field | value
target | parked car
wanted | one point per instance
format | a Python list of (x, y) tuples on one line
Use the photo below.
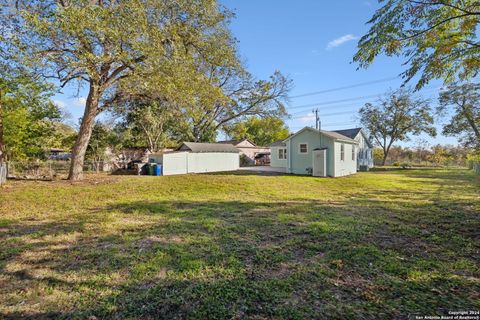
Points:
[(61, 156)]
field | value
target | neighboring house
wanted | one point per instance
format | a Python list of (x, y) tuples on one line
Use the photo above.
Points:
[(192, 157), (315, 152), (365, 147), (278, 154), (250, 151)]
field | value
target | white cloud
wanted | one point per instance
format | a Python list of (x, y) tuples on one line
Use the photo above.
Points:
[(367, 3), (308, 118), (59, 103), (339, 41)]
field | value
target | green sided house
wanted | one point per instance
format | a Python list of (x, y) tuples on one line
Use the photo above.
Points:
[(365, 147), (316, 152)]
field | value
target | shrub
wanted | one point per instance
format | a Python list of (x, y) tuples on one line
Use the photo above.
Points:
[(246, 161), (405, 165)]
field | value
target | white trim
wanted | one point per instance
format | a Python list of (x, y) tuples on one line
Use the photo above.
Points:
[(289, 159), (300, 148)]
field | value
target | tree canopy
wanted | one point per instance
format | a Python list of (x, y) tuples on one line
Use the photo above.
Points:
[(147, 122), (395, 117), (32, 123), (438, 39), (103, 43), (261, 131), (464, 100)]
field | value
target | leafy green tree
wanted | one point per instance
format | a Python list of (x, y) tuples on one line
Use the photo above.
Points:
[(27, 116), (395, 117), (246, 97), (438, 39), (464, 99), (102, 43), (261, 131), (234, 94), (148, 122), (30, 127), (439, 155)]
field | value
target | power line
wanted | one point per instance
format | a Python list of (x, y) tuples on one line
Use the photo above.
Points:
[(334, 101), (324, 115), (349, 99), (341, 124), (336, 107), (344, 87), (328, 125)]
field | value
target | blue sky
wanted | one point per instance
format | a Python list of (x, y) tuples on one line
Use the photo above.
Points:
[(312, 42)]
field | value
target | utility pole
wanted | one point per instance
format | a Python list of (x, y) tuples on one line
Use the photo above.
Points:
[(317, 119)]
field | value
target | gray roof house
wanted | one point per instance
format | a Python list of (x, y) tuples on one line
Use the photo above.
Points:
[(365, 146), (345, 151)]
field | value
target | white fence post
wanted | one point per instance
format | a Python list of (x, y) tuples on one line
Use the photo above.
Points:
[(3, 173)]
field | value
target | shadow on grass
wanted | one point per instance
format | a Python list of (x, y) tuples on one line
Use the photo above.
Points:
[(243, 172), (450, 176), (229, 259)]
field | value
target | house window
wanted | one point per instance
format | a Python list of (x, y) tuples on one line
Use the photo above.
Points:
[(342, 152), (353, 153), (282, 154), (303, 148)]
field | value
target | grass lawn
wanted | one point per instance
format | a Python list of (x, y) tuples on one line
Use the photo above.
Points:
[(377, 245)]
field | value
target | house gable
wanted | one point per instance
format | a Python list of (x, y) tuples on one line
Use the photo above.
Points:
[(245, 143), (301, 162), (366, 139)]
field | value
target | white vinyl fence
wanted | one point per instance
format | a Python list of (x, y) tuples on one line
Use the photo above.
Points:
[(3, 173), (192, 162)]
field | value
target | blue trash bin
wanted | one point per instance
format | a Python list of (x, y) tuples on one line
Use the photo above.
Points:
[(157, 171)]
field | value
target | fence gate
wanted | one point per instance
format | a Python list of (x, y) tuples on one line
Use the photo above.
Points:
[(3, 173)]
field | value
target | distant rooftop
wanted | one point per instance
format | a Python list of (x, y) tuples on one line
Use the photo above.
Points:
[(208, 147), (278, 143), (351, 133), (236, 142)]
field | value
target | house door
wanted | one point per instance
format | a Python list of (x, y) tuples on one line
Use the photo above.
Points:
[(319, 163)]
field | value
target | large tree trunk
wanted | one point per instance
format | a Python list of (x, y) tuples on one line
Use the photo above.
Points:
[(384, 159), (81, 144), (2, 143), (474, 126), (386, 150)]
